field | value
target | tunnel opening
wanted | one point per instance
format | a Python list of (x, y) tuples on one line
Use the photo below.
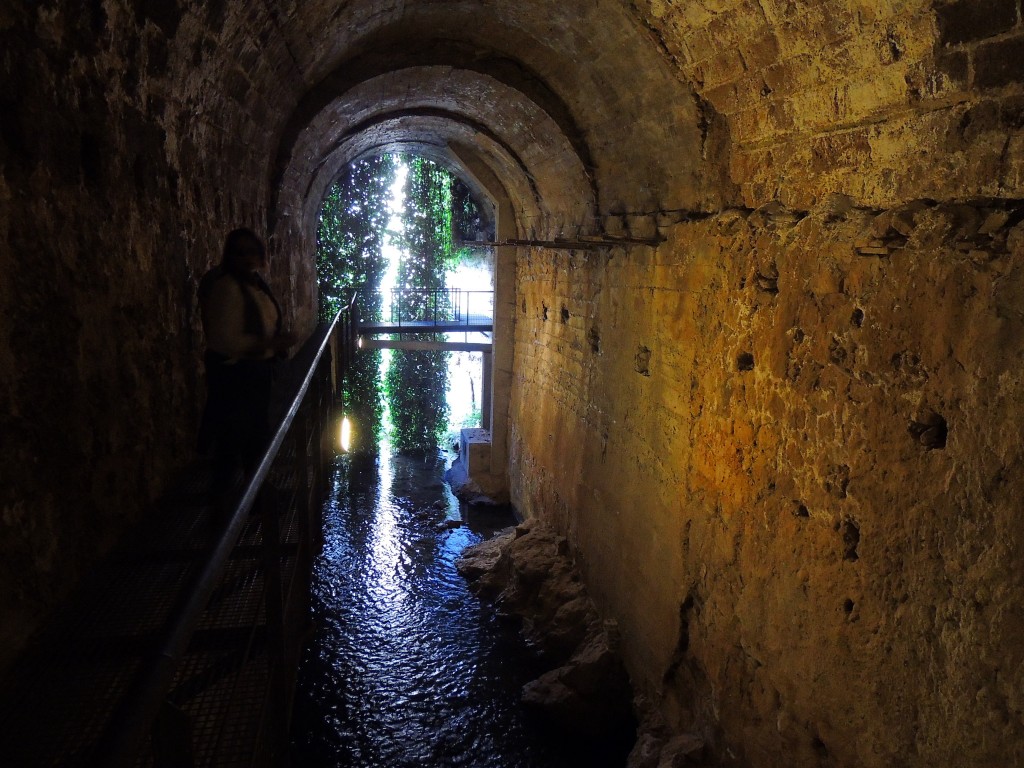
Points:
[(396, 234)]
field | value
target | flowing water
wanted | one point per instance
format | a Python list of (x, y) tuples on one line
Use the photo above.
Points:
[(406, 666)]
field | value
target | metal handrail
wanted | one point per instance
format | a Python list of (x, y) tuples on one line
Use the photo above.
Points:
[(436, 305), (436, 301), (138, 710)]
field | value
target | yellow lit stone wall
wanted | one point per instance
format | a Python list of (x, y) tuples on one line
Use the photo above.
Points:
[(883, 100), (784, 448), (785, 445)]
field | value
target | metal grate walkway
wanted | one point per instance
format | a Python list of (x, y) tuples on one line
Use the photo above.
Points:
[(62, 693), (82, 693), (465, 324)]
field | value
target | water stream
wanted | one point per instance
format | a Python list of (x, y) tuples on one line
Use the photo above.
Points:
[(406, 666)]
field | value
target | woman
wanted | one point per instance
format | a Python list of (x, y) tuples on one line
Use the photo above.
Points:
[(244, 338)]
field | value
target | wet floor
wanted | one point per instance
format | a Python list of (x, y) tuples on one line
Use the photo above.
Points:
[(406, 666)]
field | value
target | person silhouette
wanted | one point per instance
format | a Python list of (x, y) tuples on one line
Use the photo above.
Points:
[(245, 340)]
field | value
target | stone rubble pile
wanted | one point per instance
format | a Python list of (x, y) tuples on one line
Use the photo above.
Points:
[(528, 574)]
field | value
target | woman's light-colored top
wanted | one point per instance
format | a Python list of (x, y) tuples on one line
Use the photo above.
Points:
[(224, 316)]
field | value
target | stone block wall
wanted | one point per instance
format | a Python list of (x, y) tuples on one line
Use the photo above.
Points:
[(135, 134), (884, 101), (784, 446), (130, 143)]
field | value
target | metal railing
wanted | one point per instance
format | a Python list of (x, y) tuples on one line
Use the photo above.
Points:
[(275, 545)]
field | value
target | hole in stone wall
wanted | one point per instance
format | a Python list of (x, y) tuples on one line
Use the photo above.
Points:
[(767, 279), (745, 362), (565, 315), (850, 533), (798, 335), (930, 430), (837, 481), (892, 48), (523, 305), (97, 17), (642, 362), (91, 158), (906, 361), (836, 352), (684, 625), (857, 318), (819, 747), (683, 644), (801, 511), (140, 174), (594, 337), (544, 312), (215, 15), (848, 606)]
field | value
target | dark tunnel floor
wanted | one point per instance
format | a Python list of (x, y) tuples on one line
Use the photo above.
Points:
[(406, 667)]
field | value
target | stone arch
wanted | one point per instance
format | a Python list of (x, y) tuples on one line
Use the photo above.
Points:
[(425, 55), (532, 62), (549, 182)]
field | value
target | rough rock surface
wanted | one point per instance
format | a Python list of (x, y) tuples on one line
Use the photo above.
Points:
[(526, 572), (796, 491), (465, 488), (657, 746)]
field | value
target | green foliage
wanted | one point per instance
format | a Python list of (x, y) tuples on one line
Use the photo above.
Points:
[(416, 385), (351, 231), (474, 257), (473, 420), (362, 396), (428, 224), (417, 382), (467, 219), (353, 221)]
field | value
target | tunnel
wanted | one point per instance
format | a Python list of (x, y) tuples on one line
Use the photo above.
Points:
[(759, 326)]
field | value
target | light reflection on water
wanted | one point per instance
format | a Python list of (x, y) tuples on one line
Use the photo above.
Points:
[(406, 667)]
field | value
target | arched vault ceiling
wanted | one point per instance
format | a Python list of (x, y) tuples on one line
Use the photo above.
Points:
[(437, 137), (586, 70), (664, 104), (516, 139)]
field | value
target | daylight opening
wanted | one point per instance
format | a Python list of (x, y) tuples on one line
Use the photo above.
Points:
[(396, 233)]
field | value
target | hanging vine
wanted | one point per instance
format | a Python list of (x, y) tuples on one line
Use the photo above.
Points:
[(417, 382), (351, 231)]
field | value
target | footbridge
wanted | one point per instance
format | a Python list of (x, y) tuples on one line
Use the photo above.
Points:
[(447, 320), (413, 319)]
